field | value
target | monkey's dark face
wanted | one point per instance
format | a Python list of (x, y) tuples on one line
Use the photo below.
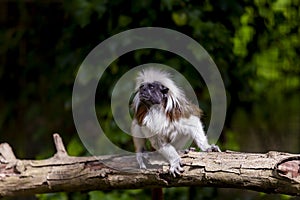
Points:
[(153, 93)]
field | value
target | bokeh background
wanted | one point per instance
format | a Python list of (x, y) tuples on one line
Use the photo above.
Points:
[(255, 44)]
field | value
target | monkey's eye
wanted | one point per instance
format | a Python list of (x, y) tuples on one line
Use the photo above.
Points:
[(165, 90), (150, 86)]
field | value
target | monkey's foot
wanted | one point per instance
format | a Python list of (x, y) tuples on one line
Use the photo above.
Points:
[(213, 148), (175, 168)]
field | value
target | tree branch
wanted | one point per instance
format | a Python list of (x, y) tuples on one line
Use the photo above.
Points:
[(273, 172)]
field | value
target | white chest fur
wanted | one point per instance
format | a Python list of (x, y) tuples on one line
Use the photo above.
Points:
[(157, 124)]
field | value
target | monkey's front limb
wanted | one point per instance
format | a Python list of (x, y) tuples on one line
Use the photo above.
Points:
[(171, 155), (140, 145), (140, 159), (195, 127)]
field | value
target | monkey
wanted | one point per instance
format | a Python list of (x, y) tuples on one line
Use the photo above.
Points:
[(164, 116)]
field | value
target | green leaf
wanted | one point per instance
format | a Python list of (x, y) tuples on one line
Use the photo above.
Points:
[(53, 196), (75, 147), (124, 20), (180, 18)]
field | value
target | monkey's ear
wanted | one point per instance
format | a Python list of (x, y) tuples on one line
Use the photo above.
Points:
[(164, 89)]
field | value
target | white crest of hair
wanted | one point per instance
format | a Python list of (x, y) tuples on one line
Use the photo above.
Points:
[(176, 96)]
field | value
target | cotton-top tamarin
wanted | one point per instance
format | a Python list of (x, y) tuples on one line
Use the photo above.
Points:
[(164, 115)]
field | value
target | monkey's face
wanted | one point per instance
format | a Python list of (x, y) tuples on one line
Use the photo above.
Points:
[(153, 93)]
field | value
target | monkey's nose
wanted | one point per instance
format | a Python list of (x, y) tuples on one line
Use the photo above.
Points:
[(142, 87)]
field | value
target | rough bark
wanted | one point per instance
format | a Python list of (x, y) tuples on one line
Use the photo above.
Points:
[(273, 172)]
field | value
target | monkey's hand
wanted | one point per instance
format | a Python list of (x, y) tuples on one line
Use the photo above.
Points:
[(171, 155), (139, 157), (213, 148), (175, 167)]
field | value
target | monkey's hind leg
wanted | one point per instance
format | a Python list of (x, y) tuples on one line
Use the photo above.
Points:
[(213, 148)]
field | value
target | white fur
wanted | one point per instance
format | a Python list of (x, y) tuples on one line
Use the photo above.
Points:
[(167, 135), (177, 132)]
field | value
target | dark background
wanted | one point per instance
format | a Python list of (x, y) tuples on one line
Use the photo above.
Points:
[(255, 44)]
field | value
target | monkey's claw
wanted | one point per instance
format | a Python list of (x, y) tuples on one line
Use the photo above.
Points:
[(213, 148), (175, 168), (191, 149)]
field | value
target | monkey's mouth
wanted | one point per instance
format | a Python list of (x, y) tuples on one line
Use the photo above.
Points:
[(144, 96), (149, 100)]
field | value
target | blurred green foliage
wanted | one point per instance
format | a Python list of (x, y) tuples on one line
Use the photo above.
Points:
[(255, 44)]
